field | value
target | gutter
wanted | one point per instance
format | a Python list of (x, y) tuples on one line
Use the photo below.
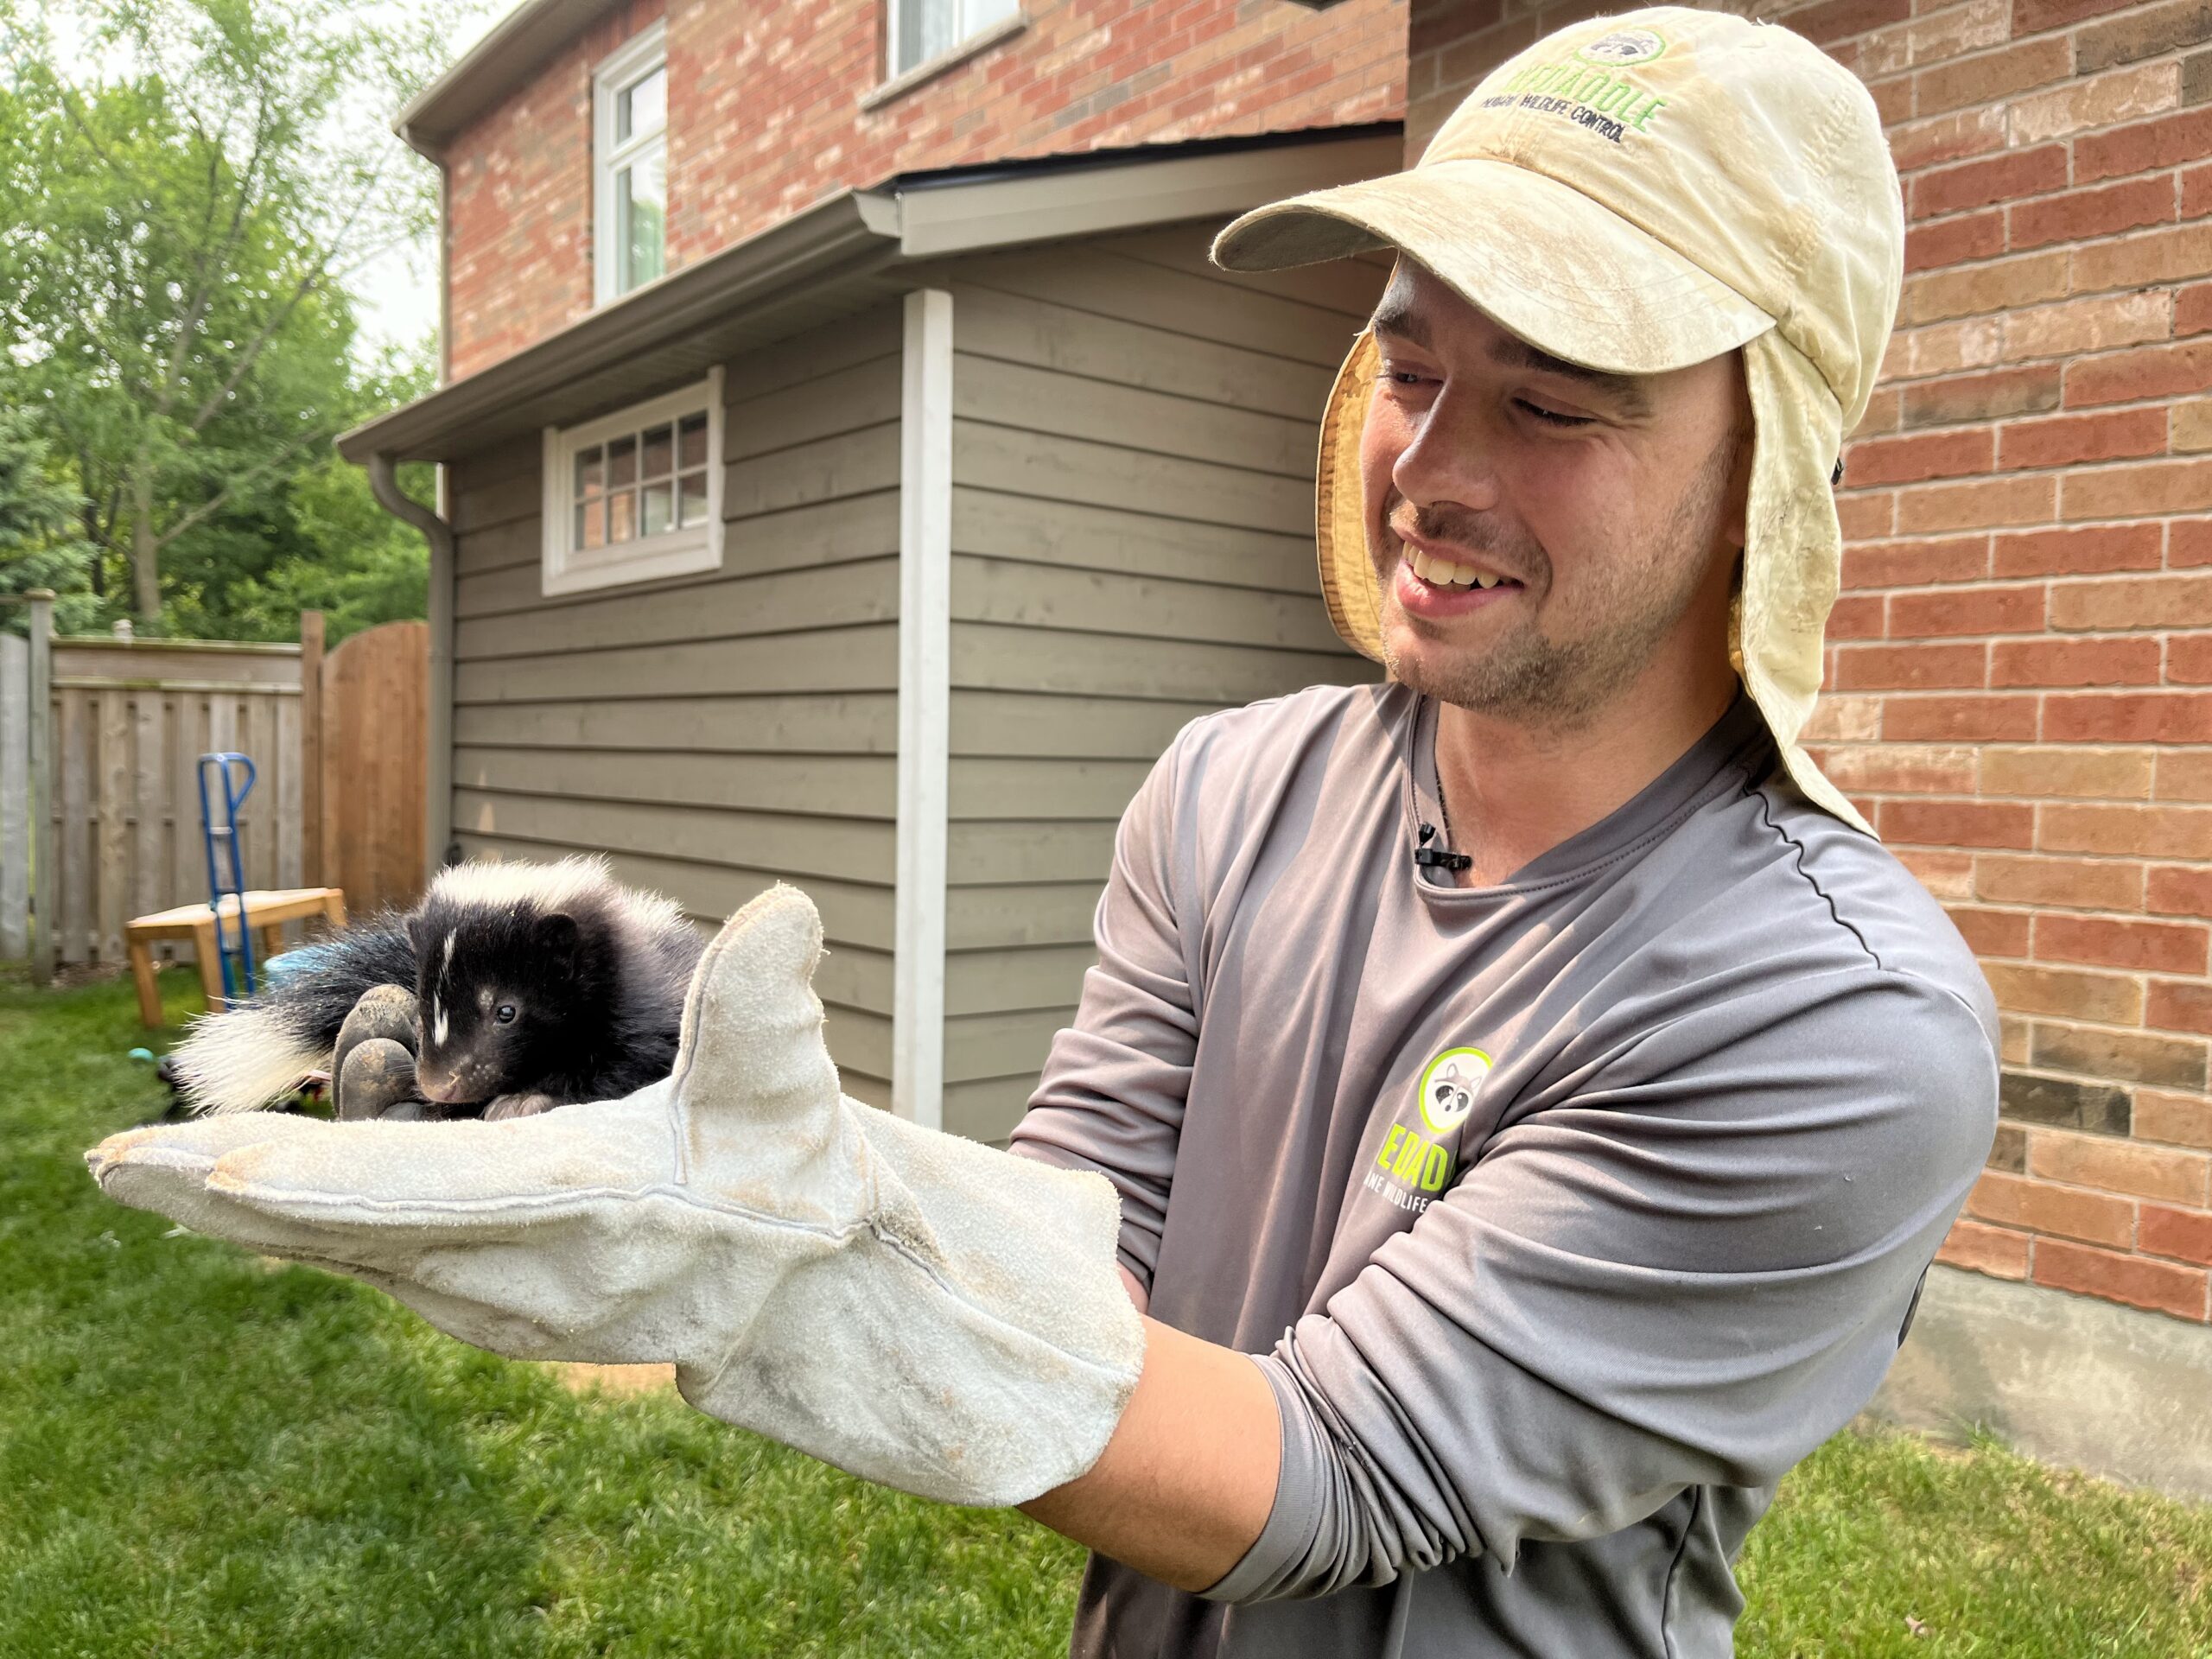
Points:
[(437, 792), (860, 244), (816, 247)]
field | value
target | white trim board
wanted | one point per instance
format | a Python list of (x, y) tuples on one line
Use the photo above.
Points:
[(632, 62), (688, 549), (925, 707)]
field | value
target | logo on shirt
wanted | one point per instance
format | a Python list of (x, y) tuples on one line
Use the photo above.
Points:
[(1448, 1088), (1412, 1165)]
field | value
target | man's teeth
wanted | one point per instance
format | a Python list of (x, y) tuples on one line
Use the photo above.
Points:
[(1443, 573)]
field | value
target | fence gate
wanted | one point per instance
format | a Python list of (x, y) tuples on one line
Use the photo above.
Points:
[(100, 795), (375, 749), (130, 720)]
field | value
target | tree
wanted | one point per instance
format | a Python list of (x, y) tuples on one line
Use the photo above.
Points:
[(171, 290), (37, 547)]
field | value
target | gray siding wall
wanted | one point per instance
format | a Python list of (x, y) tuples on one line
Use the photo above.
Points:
[(1132, 536), (714, 732)]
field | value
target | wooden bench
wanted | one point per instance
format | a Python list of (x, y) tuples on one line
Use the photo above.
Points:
[(265, 912)]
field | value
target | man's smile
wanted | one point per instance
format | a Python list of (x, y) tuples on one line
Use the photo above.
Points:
[(1436, 584)]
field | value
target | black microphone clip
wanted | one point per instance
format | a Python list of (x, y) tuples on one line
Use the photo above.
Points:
[(1428, 856)]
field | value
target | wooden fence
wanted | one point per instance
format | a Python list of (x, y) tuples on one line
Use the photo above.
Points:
[(100, 801), (375, 718), (15, 796)]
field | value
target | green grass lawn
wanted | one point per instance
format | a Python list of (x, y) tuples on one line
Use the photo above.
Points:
[(204, 1455)]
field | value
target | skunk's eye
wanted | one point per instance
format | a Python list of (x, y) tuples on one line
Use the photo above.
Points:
[(504, 1013)]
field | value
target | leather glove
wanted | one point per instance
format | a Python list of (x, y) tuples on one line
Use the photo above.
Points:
[(916, 1308)]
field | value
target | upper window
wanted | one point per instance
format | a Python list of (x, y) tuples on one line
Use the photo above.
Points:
[(636, 495), (922, 29), (630, 181)]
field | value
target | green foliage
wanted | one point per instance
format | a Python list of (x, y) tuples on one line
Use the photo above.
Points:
[(1885, 1546), (38, 545), (208, 1456), (172, 306)]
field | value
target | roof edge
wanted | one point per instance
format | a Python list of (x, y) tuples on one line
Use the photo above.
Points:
[(511, 52), (858, 236), (1099, 192), (853, 225)]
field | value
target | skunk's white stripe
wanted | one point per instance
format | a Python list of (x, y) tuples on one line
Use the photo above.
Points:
[(549, 887), (242, 1058)]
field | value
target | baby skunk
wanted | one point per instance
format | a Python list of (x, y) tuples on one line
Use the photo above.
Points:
[(536, 984)]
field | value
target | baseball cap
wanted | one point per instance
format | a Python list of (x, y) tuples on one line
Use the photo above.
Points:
[(1637, 193)]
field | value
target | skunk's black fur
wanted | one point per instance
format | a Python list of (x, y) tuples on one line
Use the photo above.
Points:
[(531, 980)]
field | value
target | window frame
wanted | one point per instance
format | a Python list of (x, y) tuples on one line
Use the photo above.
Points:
[(689, 550), (973, 40), (629, 63)]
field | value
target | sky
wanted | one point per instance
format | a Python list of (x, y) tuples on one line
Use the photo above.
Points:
[(396, 295)]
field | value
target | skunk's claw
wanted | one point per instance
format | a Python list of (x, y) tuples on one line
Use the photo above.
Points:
[(372, 1069), (528, 1105)]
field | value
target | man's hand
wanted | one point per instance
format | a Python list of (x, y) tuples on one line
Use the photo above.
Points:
[(916, 1308)]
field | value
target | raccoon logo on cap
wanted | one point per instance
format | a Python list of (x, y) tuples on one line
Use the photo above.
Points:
[(1623, 46)]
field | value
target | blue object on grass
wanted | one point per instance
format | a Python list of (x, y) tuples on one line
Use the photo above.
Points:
[(236, 955), (146, 1054), (279, 968)]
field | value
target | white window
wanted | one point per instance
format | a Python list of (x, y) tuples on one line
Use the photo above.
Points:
[(630, 180), (922, 29), (636, 495)]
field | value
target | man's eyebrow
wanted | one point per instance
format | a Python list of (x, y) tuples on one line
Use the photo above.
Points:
[(1396, 315), (1626, 389)]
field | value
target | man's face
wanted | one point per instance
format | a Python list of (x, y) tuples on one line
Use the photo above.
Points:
[(1608, 508)]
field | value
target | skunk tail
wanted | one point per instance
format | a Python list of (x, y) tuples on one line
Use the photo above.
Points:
[(256, 1051)]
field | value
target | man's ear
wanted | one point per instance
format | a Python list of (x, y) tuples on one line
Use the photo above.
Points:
[(1735, 524), (1735, 527)]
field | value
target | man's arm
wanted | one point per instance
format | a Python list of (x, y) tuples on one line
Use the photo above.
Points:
[(1185, 1484), (1689, 1277), (1111, 1096)]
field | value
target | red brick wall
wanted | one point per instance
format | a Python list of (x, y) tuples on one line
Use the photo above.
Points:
[(764, 120), (2019, 682)]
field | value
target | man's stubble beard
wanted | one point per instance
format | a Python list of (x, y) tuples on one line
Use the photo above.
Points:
[(1556, 682)]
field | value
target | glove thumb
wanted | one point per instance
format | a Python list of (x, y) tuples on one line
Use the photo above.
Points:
[(757, 1089)]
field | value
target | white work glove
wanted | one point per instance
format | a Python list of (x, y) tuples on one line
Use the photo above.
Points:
[(915, 1308)]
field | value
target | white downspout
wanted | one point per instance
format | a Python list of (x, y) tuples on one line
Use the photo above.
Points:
[(925, 708), (437, 804)]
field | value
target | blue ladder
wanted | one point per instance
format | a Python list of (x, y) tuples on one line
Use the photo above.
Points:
[(237, 957)]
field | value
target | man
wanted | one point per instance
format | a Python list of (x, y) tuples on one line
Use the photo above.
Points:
[(1532, 1099), (1532, 1053)]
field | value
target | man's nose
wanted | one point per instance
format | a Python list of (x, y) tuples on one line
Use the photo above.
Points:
[(1452, 455)]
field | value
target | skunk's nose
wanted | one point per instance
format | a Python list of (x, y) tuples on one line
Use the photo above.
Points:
[(443, 1089)]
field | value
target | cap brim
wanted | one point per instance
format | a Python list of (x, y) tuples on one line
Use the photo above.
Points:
[(1546, 262)]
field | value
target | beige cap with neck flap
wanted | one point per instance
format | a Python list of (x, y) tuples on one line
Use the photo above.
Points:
[(1637, 193)]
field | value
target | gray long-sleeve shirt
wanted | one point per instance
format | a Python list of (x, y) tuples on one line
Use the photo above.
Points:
[(1566, 1214)]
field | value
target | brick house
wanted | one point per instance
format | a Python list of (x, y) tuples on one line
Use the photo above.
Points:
[(2021, 672), (2019, 681), (768, 112), (853, 473)]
